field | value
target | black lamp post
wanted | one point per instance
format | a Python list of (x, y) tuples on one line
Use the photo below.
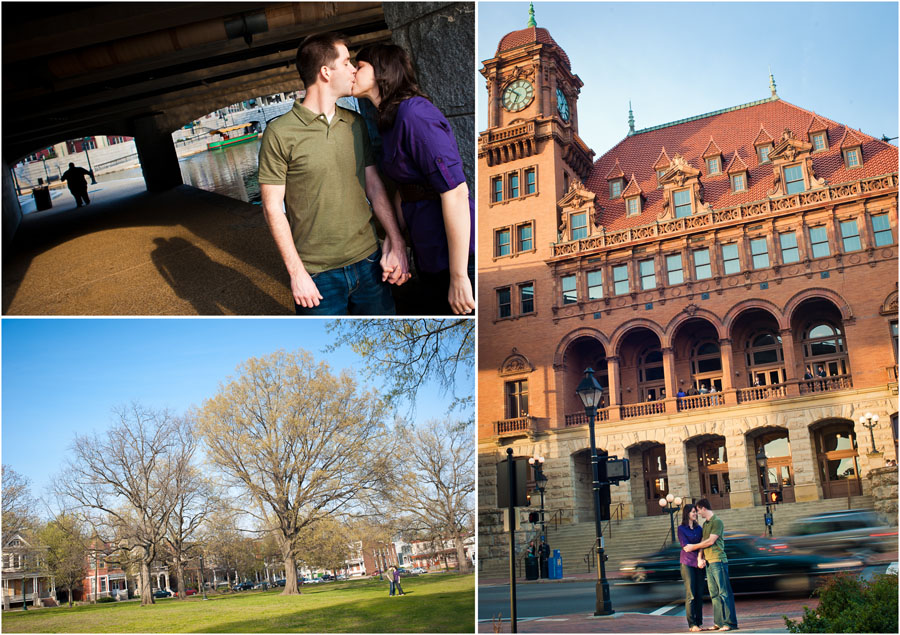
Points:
[(763, 463), (869, 421), (671, 505), (537, 463), (590, 392)]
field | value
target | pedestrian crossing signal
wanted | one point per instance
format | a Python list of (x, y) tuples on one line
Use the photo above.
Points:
[(775, 496)]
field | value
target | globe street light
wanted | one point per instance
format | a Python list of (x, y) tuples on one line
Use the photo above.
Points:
[(671, 505), (762, 462), (869, 421), (590, 392)]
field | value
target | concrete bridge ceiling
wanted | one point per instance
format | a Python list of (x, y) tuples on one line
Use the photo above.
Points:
[(77, 69)]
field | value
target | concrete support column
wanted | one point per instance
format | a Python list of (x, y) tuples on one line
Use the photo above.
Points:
[(803, 463), (156, 152), (676, 467), (790, 361), (612, 369), (726, 354), (669, 372), (740, 459), (12, 211)]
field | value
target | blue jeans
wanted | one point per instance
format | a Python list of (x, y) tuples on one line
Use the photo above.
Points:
[(721, 594), (693, 594), (356, 289), (392, 586)]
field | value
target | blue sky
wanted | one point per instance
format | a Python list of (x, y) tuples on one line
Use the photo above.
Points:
[(677, 60), (62, 376)]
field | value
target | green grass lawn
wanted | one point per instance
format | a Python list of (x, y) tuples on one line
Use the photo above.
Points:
[(435, 603)]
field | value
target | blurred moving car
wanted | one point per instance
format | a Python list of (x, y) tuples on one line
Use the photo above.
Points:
[(754, 564), (855, 531)]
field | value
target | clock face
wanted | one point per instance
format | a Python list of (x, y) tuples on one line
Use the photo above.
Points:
[(562, 105), (518, 95)]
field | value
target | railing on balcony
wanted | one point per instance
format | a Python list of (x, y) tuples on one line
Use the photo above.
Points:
[(824, 384), (643, 409), (581, 419), (696, 402), (761, 393), (512, 426)]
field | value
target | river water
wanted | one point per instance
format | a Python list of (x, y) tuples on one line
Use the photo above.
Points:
[(232, 171)]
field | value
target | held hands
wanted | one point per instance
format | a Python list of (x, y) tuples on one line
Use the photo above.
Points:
[(304, 290), (460, 295), (394, 266), (701, 563), (689, 548)]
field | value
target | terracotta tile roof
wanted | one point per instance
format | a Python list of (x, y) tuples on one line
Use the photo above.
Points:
[(736, 165), (850, 139), (663, 161), (711, 150), (530, 35), (615, 172), (735, 130), (815, 125), (763, 137), (633, 188)]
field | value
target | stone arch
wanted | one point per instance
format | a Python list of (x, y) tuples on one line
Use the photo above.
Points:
[(620, 333), (753, 303), (703, 314), (515, 364), (820, 293), (566, 341), (889, 306)]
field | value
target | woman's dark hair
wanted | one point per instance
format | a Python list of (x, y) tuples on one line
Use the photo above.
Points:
[(394, 76), (686, 515)]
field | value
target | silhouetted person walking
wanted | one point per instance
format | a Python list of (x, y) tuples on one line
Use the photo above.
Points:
[(77, 185)]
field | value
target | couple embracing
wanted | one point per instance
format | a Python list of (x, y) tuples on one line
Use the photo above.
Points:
[(703, 550), (317, 178)]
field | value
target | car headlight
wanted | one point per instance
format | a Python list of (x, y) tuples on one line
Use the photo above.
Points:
[(840, 564)]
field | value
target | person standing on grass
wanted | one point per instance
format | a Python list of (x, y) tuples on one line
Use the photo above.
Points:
[(395, 576), (692, 565), (713, 545)]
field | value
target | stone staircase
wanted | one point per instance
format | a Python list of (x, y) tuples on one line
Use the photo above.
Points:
[(635, 537)]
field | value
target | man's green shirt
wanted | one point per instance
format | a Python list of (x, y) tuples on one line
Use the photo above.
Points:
[(323, 169), (716, 551)]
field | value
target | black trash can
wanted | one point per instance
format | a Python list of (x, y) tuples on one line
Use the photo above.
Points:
[(531, 568), (42, 197), (545, 569)]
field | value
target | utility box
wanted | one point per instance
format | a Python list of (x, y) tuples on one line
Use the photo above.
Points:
[(555, 566), (41, 195)]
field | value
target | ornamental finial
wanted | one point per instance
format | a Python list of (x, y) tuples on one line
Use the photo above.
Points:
[(531, 21), (772, 83), (630, 119)]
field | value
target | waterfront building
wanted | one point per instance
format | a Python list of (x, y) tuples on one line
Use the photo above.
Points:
[(729, 251)]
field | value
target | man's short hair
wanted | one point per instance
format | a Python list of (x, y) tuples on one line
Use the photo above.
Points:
[(703, 502), (315, 52)]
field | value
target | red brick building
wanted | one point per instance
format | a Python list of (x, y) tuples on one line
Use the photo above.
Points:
[(732, 250)]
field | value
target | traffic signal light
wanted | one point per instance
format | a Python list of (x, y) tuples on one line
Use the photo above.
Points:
[(774, 496), (532, 517)]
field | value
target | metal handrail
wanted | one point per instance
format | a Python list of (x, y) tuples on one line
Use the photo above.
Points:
[(618, 514)]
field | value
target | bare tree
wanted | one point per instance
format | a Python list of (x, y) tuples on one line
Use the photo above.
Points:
[(65, 540), (406, 354), (436, 488), (299, 441), (18, 505), (123, 481)]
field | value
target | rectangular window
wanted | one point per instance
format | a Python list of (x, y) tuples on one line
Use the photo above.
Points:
[(738, 182), (504, 302), (759, 252), (634, 206), (789, 250), (675, 269), (648, 274), (731, 259), (763, 152), (501, 242), (513, 185), (569, 291), (530, 181), (682, 199), (793, 179), (615, 188), (620, 279), (659, 175), (852, 158), (497, 189), (579, 225), (818, 141), (595, 284), (526, 298), (712, 166), (702, 268), (850, 236), (818, 238), (881, 227), (524, 237), (516, 399)]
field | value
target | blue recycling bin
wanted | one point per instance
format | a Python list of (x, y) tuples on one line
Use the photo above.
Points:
[(555, 566)]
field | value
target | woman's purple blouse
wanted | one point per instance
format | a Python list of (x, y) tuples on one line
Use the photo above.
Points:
[(421, 149), (688, 536)]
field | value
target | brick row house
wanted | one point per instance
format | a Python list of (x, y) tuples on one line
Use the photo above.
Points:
[(744, 258)]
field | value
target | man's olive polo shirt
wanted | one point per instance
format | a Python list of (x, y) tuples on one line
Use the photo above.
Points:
[(322, 167)]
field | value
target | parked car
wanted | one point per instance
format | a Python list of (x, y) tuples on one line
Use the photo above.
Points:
[(242, 586), (162, 593), (754, 564), (190, 591), (340, 576), (280, 582), (419, 570), (327, 577), (854, 531), (261, 585)]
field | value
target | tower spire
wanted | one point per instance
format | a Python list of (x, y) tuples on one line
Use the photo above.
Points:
[(772, 83), (531, 21), (630, 119)]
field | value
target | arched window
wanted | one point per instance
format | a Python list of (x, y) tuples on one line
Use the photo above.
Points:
[(780, 469), (765, 358), (715, 484), (823, 348), (706, 365), (651, 378), (836, 455)]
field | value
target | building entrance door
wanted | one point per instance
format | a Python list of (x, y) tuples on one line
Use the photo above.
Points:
[(656, 481), (837, 460), (715, 484)]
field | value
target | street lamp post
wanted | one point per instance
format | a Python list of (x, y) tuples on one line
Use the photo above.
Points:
[(869, 421), (671, 505), (762, 462), (537, 463), (590, 392)]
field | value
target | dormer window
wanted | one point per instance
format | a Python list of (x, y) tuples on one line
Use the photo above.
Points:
[(851, 158), (819, 141), (713, 157), (739, 182), (615, 188), (682, 200), (763, 153), (633, 205), (659, 175), (713, 166), (793, 179)]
